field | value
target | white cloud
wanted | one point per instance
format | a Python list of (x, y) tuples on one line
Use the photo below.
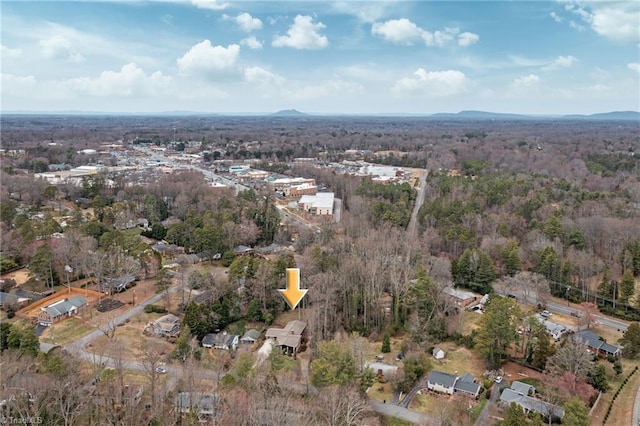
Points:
[(302, 34), (15, 85), (634, 66), (556, 17), (59, 47), (401, 31), (467, 39), (616, 20), (526, 81), (129, 80), (10, 53), (209, 4), (442, 38), (576, 26), (246, 22), (206, 60), (251, 43), (560, 62), (432, 83), (367, 12), (404, 31), (262, 76)]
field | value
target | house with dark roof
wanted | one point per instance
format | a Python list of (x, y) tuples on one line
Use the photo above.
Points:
[(289, 337), (203, 405), (460, 297), (438, 381), (597, 345), (522, 388), (12, 299), (117, 284), (242, 250), (467, 384), (221, 341), (531, 405), (60, 310)]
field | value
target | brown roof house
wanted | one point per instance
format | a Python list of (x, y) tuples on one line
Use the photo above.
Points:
[(289, 337), (165, 326)]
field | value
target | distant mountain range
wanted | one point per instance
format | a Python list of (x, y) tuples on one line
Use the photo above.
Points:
[(293, 113), (484, 115)]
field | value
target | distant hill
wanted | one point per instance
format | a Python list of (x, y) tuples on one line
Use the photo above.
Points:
[(614, 115), (482, 115), (289, 113)]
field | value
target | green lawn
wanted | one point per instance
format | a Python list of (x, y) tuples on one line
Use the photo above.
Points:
[(394, 421), (66, 331)]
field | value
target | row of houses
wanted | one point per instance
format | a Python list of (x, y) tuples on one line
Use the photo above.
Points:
[(288, 339)]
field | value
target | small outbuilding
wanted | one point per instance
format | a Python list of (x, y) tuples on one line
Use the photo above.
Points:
[(439, 353)]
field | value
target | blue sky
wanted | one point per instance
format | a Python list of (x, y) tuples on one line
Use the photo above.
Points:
[(362, 57)]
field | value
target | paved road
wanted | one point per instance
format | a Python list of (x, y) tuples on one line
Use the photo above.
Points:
[(562, 308), (412, 228), (401, 413)]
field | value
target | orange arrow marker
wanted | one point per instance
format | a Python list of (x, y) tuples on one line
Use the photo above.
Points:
[(293, 294)]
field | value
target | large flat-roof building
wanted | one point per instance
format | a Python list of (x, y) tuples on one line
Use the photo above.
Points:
[(320, 204)]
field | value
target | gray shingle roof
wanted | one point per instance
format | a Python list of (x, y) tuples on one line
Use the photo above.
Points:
[(444, 379), (65, 306), (522, 388), (468, 387), (531, 404), (593, 341)]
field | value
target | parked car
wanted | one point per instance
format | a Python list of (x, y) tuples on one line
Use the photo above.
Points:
[(161, 369), (576, 314), (498, 379), (546, 314)]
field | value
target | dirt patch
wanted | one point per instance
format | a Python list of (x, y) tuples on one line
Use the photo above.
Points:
[(21, 276), (513, 371)]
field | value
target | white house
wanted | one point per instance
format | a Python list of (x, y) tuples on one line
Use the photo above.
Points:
[(438, 381)]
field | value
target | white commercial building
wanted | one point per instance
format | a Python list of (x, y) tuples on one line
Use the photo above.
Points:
[(320, 204)]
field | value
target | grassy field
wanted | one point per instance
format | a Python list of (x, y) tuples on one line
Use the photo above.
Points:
[(66, 331), (394, 421), (428, 403), (623, 406), (459, 360), (381, 392)]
